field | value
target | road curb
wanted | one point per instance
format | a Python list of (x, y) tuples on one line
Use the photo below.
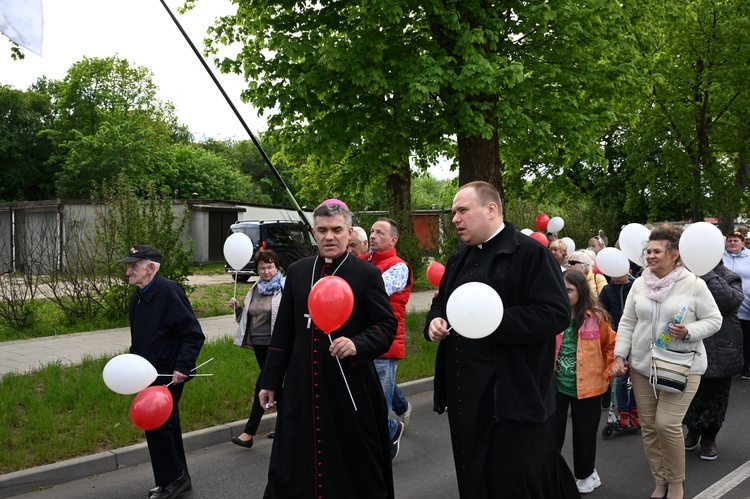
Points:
[(45, 476)]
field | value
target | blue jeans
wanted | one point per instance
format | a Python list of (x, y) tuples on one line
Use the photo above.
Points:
[(624, 403), (399, 403), (387, 373)]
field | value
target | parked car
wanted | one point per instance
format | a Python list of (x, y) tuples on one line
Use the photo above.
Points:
[(290, 240)]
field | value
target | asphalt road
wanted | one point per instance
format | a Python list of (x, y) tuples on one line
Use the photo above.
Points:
[(424, 467)]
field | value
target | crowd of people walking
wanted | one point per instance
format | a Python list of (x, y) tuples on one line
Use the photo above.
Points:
[(570, 339)]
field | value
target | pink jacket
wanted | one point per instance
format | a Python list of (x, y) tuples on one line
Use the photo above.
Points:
[(593, 358)]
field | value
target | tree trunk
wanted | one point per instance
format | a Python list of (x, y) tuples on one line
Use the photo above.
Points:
[(398, 186), (479, 159)]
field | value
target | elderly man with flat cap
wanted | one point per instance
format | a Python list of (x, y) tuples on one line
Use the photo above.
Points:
[(165, 331)]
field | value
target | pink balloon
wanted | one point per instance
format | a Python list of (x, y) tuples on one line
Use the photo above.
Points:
[(330, 303), (151, 408)]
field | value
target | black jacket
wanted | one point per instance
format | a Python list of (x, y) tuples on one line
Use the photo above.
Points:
[(612, 299), (536, 308), (724, 348), (163, 327)]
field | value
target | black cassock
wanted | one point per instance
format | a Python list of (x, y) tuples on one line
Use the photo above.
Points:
[(324, 448)]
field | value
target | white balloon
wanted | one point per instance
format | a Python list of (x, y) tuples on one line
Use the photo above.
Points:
[(701, 247), (570, 244), (526, 232), (555, 225), (128, 373), (238, 250), (474, 310), (612, 262), (633, 240)]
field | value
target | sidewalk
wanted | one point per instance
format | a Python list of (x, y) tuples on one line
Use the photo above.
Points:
[(25, 355)]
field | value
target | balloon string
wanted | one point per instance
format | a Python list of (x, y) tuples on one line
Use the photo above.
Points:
[(193, 369), (190, 375), (234, 295), (344, 376)]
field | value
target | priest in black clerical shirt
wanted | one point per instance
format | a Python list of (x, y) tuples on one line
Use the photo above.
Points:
[(500, 390)]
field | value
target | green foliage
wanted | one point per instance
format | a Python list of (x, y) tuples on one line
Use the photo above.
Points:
[(22, 151), (125, 220)]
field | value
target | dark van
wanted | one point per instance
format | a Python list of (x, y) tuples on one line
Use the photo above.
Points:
[(290, 240)]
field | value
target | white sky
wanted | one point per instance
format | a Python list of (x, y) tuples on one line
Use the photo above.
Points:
[(142, 32)]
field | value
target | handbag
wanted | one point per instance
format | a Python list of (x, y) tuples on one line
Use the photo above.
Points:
[(669, 369)]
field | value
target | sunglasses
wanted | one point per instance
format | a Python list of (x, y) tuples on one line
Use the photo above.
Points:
[(574, 262)]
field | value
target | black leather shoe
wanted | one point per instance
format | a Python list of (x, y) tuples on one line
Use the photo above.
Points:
[(272, 434), (173, 488), (157, 489), (242, 443)]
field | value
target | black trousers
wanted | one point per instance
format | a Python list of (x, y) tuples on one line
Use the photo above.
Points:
[(256, 412), (165, 444), (586, 414)]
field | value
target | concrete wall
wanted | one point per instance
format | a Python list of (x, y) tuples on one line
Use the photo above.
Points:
[(40, 236)]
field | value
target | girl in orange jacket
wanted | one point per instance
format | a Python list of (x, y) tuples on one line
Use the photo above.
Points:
[(583, 360)]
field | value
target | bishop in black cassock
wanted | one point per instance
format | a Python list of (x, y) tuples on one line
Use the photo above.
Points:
[(323, 446)]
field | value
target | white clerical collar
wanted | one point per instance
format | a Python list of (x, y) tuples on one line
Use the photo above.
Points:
[(498, 231), (328, 260)]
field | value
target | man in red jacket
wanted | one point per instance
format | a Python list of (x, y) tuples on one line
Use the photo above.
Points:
[(398, 279)]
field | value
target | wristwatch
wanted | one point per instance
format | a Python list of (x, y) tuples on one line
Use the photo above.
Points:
[(687, 337)]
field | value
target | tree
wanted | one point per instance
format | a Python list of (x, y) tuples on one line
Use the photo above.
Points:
[(363, 87), (23, 152), (692, 134)]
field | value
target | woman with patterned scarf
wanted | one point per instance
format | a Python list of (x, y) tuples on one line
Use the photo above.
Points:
[(255, 320), (664, 287)]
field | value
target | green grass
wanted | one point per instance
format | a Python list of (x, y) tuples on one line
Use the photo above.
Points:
[(209, 269), (58, 413)]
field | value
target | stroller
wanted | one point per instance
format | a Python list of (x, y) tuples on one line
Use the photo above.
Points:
[(613, 425)]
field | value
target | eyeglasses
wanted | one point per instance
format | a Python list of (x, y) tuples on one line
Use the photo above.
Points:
[(574, 262)]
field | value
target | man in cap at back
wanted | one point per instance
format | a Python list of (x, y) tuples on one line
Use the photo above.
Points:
[(165, 331)]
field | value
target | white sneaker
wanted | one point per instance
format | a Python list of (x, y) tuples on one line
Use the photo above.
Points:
[(587, 485), (406, 416)]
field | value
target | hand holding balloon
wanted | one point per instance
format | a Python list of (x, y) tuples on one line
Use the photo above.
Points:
[(438, 329), (343, 347)]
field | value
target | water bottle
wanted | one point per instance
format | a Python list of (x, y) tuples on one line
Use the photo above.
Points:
[(664, 338)]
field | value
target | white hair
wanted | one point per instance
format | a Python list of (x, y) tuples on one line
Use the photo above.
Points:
[(581, 256), (361, 234)]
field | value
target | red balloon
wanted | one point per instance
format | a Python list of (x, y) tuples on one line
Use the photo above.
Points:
[(541, 221), (539, 237), (435, 273), (151, 407), (330, 302), (595, 269)]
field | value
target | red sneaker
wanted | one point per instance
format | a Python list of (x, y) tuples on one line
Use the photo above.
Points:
[(635, 418), (624, 419)]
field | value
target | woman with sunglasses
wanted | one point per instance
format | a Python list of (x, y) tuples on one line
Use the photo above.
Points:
[(579, 260)]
